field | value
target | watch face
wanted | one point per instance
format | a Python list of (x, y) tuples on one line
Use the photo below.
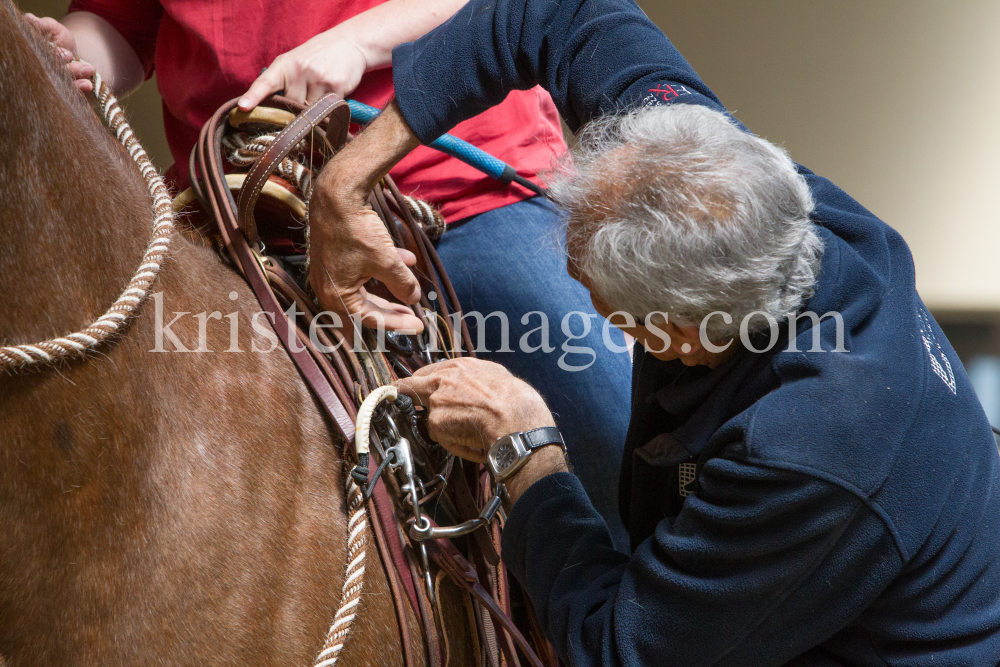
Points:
[(505, 456)]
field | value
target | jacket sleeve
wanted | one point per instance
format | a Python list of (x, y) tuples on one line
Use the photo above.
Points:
[(593, 56), (736, 578)]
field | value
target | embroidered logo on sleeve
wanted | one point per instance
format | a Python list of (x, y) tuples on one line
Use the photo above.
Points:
[(664, 92), (939, 360), (685, 478)]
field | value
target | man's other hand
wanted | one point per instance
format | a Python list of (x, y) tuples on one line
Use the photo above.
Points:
[(472, 403)]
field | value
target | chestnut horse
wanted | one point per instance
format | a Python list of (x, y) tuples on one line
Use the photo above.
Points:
[(155, 508)]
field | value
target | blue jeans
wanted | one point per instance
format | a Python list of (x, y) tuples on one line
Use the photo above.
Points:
[(512, 260)]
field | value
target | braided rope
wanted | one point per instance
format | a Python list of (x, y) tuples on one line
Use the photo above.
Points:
[(244, 151), (424, 212), (19, 357), (354, 578)]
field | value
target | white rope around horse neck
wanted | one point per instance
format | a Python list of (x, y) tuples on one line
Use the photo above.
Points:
[(354, 577), (20, 357)]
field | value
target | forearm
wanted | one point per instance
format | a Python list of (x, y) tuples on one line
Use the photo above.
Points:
[(383, 27), (561, 552), (739, 574), (354, 171), (98, 43)]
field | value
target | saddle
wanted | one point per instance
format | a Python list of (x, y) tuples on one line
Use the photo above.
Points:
[(251, 176)]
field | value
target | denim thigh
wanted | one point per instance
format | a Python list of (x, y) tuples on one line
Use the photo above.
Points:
[(512, 260)]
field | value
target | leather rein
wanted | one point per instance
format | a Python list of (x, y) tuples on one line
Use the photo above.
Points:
[(342, 379)]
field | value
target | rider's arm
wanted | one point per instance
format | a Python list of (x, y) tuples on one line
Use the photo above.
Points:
[(96, 44), (384, 27), (334, 61), (101, 45)]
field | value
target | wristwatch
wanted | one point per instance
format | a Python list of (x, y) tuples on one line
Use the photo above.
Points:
[(512, 451)]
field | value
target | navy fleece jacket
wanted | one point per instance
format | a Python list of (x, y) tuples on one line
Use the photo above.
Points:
[(820, 508)]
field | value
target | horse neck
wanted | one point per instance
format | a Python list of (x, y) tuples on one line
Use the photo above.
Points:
[(74, 214)]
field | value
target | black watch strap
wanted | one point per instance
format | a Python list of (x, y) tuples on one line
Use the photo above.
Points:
[(540, 437)]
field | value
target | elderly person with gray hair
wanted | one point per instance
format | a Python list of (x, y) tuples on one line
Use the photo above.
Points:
[(808, 477)]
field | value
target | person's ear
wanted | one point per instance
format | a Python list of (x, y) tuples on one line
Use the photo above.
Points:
[(685, 341)]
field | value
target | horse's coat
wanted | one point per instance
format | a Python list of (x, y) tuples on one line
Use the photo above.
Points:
[(155, 508)]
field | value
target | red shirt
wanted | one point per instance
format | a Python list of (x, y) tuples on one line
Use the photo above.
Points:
[(206, 53)]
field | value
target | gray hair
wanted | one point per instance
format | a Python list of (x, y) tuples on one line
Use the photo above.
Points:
[(676, 209)]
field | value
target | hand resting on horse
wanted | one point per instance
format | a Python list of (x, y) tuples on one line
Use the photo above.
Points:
[(98, 46), (472, 403)]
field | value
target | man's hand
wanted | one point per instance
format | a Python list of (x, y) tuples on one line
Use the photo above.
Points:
[(472, 403), (349, 245), (348, 249), (64, 40)]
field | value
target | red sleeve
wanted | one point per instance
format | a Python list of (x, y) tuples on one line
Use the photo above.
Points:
[(137, 20)]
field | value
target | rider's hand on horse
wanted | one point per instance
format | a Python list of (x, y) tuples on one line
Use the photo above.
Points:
[(471, 403), (64, 40), (330, 62), (348, 244)]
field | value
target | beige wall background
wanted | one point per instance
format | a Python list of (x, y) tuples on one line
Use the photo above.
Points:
[(894, 100)]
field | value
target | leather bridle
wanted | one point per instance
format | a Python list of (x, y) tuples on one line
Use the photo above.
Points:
[(342, 379)]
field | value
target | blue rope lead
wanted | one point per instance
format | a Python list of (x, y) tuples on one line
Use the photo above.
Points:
[(460, 150)]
